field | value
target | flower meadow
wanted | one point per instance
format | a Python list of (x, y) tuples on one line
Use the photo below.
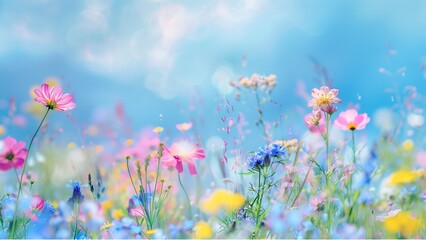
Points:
[(154, 186), (247, 119)]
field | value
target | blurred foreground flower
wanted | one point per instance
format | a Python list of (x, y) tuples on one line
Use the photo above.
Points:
[(180, 152), (351, 120), (203, 230), (53, 98), (13, 154), (404, 176), (222, 199)]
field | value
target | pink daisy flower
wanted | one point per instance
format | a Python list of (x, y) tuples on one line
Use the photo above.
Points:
[(323, 99), (13, 154), (351, 120), (53, 98), (180, 152)]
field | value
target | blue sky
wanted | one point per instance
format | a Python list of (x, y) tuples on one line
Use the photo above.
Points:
[(153, 55)]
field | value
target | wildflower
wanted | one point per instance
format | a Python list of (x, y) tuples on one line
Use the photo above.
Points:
[(264, 154), (117, 214), (203, 230), (351, 120), (183, 127), (181, 152), (2, 130), (125, 229), (77, 196), (175, 230), (13, 154), (315, 122), (255, 160), (158, 130), (404, 176), (52, 98), (222, 199), (323, 99), (403, 223), (290, 145), (407, 145)]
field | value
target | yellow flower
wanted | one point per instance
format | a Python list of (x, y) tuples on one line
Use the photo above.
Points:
[(2, 130), (222, 199), (106, 225), (158, 130), (71, 145), (203, 230), (404, 176), (107, 205), (117, 214), (150, 232), (408, 145), (129, 142), (99, 148), (403, 223)]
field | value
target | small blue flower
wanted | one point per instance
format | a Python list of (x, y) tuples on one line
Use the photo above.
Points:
[(255, 160), (276, 150), (77, 196)]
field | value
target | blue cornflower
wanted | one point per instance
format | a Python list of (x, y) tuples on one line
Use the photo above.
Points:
[(276, 150), (77, 196), (255, 160)]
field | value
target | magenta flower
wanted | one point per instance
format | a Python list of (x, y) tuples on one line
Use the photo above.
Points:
[(53, 98), (351, 120), (13, 155), (323, 99), (180, 152)]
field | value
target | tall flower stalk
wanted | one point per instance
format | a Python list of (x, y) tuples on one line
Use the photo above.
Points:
[(53, 99)]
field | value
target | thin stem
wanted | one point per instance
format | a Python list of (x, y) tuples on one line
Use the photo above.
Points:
[(186, 194), (301, 187), (353, 146), (76, 222), (326, 138), (130, 176), (23, 172)]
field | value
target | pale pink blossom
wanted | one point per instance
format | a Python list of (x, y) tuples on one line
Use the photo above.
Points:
[(180, 152), (53, 98), (351, 120), (183, 127), (13, 154), (315, 123), (323, 99)]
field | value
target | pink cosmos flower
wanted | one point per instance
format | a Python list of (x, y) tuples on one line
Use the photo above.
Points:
[(183, 127), (315, 122), (53, 98), (180, 152), (13, 155), (323, 99), (351, 120), (36, 205)]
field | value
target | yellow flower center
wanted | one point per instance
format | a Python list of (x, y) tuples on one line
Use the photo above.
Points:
[(51, 104), (352, 126)]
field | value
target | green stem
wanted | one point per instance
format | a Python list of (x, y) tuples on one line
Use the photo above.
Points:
[(353, 146), (12, 234), (76, 222), (186, 194), (326, 138)]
